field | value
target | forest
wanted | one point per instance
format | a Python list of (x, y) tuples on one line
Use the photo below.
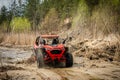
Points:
[(91, 17)]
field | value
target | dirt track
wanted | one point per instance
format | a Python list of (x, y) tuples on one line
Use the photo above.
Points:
[(83, 69)]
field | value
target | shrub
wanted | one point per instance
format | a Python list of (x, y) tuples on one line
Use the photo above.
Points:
[(20, 24)]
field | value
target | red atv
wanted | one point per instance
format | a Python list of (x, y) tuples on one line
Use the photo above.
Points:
[(51, 52)]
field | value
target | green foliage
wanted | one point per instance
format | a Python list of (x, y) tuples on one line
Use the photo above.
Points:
[(32, 12), (19, 24), (5, 18), (103, 15), (82, 14), (3, 15), (98, 17), (65, 8), (115, 2), (92, 4), (83, 8)]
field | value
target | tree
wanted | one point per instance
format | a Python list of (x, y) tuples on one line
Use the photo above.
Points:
[(3, 19), (51, 21), (13, 8), (32, 12), (3, 15)]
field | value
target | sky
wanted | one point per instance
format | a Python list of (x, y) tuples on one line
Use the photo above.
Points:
[(6, 3)]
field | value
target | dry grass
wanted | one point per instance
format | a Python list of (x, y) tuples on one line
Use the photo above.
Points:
[(1, 37), (19, 39)]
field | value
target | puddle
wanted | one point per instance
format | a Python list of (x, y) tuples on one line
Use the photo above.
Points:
[(12, 54)]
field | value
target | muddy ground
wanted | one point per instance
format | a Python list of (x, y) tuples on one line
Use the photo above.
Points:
[(17, 65)]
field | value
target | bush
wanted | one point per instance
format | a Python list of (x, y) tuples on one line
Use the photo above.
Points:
[(19, 24)]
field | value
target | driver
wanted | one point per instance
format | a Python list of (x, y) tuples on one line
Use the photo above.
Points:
[(55, 41)]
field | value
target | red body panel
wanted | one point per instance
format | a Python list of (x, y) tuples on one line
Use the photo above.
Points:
[(49, 57), (56, 47)]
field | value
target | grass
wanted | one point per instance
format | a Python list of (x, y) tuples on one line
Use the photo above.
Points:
[(19, 38)]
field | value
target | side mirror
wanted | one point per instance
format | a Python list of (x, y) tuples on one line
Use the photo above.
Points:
[(37, 40)]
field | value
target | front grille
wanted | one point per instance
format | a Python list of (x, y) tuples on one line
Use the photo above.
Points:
[(56, 51)]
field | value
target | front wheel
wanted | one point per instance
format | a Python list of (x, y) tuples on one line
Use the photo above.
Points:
[(40, 61), (69, 60)]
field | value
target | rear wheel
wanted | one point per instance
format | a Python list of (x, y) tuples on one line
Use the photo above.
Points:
[(40, 61), (69, 60)]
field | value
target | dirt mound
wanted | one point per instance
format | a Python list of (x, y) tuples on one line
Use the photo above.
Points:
[(96, 49)]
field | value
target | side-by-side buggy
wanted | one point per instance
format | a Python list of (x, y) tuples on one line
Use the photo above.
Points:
[(48, 50)]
